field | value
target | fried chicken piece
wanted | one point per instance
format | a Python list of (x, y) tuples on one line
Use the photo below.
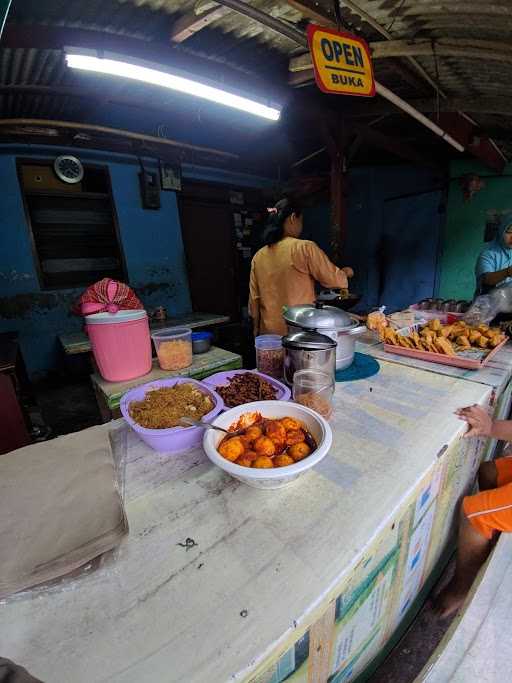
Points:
[(446, 330), (483, 328), (444, 346), (483, 342)]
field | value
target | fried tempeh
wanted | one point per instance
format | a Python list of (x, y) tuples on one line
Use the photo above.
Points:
[(463, 341), (444, 346)]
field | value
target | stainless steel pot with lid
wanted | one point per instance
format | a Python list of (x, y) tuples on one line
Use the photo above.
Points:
[(308, 350), (328, 320)]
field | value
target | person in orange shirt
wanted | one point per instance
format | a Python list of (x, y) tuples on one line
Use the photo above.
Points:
[(484, 515), (284, 271)]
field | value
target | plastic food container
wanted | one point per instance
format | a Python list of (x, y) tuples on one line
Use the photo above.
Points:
[(270, 355), (314, 389), (121, 344), (173, 347), (201, 342), (174, 439), (222, 378), (280, 476)]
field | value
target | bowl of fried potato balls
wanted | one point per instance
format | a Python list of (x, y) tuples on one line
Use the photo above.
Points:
[(276, 442)]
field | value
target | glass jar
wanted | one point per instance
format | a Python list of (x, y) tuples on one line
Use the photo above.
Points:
[(314, 389), (270, 355)]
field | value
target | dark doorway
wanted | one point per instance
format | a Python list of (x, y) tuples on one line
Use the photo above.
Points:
[(409, 249), (221, 227), (207, 228)]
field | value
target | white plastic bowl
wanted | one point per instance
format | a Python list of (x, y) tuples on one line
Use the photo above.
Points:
[(280, 476)]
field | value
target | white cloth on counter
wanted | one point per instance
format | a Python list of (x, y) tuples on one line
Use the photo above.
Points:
[(60, 507)]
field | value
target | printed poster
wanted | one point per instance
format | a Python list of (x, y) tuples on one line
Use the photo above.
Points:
[(292, 666), (416, 561), (361, 621)]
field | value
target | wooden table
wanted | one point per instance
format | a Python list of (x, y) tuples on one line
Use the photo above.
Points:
[(108, 394), (78, 342), (306, 583)]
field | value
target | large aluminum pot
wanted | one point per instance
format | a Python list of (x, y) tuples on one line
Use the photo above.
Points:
[(330, 321), (307, 350)]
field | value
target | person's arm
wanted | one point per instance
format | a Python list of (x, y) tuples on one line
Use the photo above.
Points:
[(486, 272), (481, 424), (313, 260), (254, 301), (493, 279)]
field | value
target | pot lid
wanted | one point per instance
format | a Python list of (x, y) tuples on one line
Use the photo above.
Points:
[(308, 341), (318, 317)]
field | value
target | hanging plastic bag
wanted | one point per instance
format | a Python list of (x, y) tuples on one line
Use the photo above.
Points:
[(486, 307)]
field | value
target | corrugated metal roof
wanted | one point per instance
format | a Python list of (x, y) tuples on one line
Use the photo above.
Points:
[(233, 22), (253, 48)]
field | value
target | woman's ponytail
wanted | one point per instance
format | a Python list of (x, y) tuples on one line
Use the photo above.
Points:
[(274, 231)]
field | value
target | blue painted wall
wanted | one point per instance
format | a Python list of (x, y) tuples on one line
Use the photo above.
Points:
[(151, 241), (370, 190)]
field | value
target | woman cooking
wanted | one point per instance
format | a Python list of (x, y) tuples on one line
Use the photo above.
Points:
[(283, 273), (494, 265)]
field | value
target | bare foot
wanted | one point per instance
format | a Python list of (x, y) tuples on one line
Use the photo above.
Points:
[(449, 600)]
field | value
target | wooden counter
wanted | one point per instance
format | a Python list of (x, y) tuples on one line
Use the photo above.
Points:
[(304, 583)]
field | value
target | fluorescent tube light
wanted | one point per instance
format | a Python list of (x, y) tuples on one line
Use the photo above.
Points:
[(113, 67)]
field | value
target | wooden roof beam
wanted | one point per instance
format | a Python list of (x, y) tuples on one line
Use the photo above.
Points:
[(501, 106), (22, 124), (190, 24), (311, 11), (394, 145), (474, 49)]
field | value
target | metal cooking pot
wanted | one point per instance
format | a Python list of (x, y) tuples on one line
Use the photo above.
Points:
[(307, 350), (339, 325)]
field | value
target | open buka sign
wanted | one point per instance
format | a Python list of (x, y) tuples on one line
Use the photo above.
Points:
[(342, 62)]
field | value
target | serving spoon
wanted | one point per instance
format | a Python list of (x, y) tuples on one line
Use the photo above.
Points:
[(189, 422)]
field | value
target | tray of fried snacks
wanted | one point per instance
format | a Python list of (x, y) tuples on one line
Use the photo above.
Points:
[(457, 344)]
